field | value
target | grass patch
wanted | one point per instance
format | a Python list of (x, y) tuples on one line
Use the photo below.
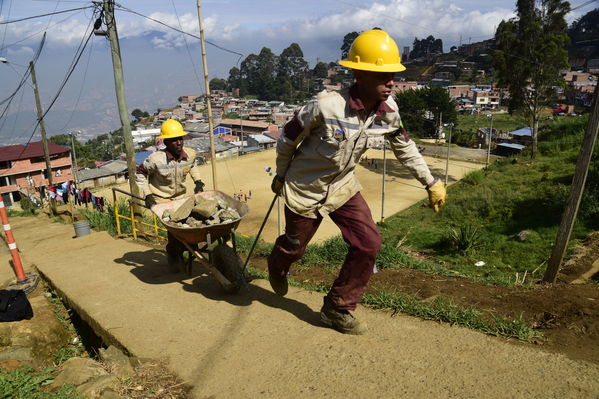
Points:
[(442, 310), (27, 383), (106, 221), (438, 309)]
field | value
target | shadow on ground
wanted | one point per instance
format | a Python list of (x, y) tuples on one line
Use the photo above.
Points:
[(150, 267)]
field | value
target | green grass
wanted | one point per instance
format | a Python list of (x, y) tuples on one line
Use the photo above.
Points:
[(27, 383), (438, 309), (442, 310), (106, 221), (503, 122)]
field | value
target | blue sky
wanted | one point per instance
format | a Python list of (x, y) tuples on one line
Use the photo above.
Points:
[(161, 64)]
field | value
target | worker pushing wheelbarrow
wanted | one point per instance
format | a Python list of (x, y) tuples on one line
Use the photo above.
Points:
[(161, 178)]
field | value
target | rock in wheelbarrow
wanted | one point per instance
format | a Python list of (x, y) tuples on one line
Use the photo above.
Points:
[(205, 207), (183, 211)]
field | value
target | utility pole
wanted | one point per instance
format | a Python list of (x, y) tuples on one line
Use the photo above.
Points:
[(208, 102), (489, 139), (40, 118), (74, 157), (578, 181), (448, 146), (383, 186), (119, 85)]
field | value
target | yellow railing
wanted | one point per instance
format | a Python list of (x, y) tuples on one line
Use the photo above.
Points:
[(131, 218)]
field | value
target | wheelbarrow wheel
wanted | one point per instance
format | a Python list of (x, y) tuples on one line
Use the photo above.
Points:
[(230, 265)]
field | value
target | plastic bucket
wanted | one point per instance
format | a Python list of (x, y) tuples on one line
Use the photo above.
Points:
[(81, 229)]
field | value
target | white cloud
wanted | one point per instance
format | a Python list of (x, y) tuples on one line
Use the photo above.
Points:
[(403, 19), (20, 51)]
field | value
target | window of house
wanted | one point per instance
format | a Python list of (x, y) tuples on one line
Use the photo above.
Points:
[(4, 181), (5, 165)]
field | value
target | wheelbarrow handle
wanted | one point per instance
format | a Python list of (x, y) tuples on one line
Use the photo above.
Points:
[(259, 232)]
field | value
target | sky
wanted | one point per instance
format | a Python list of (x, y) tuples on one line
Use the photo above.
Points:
[(161, 64)]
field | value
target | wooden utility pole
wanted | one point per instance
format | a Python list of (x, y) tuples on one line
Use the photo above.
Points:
[(383, 183), (119, 84), (40, 119), (207, 86), (448, 148), (580, 176)]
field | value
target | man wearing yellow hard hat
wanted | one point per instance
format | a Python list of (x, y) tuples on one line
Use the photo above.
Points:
[(161, 177), (316, 159)]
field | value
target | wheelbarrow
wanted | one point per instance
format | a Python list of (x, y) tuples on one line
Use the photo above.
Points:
[(209, 243)]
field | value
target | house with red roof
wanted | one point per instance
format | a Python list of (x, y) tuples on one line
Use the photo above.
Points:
[(23, 169)]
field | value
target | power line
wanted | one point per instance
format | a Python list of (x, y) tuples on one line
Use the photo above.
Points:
[(81, 88), (76, 58), (41, 31), (186, 46), (122, 8), (582, 5), (44, 15), (8, 16)]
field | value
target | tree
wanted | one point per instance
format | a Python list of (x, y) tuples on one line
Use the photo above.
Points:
[(292, 69), (423, 47), (583, 36), (424, 109), (529, 52), (347, 42), (320, 70), (218, 84), (137, 114)]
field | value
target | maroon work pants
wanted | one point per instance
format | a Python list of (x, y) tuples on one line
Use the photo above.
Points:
[(358, 231)]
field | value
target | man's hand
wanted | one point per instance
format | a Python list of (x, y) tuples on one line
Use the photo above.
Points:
[(150, 201), (199, 187), (277, 184), (436, 194)]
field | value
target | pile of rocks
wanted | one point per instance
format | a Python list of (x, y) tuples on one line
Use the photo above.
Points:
[(92, 379), (199, 211)]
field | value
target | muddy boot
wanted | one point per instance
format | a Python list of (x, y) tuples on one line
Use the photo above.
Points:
[(341, 320)]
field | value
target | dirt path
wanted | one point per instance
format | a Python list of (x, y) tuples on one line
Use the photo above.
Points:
[(257, 344), (247, 174)]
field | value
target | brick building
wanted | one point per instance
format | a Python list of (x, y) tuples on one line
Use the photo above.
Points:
[(23, 169)]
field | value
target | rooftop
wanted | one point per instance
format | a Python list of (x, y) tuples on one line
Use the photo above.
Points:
[(32, 150)]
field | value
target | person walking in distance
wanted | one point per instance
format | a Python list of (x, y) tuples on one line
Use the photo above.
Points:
[(315, 173), (161, 177)]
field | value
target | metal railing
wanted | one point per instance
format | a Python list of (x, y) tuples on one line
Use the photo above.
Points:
[(156, 228)]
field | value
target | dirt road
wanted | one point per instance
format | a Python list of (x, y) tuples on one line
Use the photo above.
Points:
[(248, 173), (257, 344)]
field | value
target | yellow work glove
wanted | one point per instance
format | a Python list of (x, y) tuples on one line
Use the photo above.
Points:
[(436, 194)]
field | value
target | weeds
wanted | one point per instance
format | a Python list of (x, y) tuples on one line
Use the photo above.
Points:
[(464, 238), (26, 383), (443, 310)]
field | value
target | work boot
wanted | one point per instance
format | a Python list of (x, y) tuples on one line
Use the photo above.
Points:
[(279, 284), (341, 320)]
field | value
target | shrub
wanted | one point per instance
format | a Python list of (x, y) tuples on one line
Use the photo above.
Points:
[(464, 238), (474, 178)]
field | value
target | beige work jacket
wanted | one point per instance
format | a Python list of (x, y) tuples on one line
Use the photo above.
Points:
[(320, 147), (163, 175)]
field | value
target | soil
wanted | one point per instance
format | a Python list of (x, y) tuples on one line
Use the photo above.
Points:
[(566, 314)]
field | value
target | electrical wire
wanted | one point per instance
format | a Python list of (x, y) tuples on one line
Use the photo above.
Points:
[(8, 16), (76, 58), (80, 89), (41, 31), (44, 15), (123, 8), (186, 46)]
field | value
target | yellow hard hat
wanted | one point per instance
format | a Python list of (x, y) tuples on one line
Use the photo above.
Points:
[(374, 50), (171, 129)]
